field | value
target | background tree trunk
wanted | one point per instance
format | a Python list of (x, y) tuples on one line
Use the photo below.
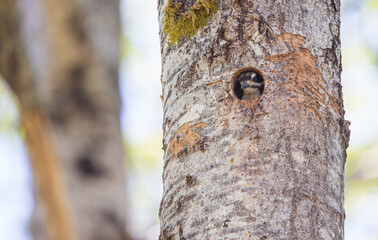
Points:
[(61, 59), (271, 168)]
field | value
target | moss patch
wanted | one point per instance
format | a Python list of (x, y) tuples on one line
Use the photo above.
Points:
[(178, 24)]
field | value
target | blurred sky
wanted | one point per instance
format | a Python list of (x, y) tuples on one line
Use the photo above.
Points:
[(142, 119)]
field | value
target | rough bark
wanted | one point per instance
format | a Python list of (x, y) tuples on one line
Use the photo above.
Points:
[(61, 60), (271, 168)]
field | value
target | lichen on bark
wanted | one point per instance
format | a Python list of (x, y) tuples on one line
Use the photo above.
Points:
[(178, 23)]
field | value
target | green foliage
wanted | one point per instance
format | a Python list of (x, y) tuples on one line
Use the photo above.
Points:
[(125, 46), (373, 4), (364, 53), (146, 156), (8, 110), (184, 24), (361, 173)]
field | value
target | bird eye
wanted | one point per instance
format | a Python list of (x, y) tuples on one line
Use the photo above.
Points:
[(258, 79), (247, 84)]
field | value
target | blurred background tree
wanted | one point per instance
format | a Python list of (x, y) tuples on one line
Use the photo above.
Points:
[(141, 123), (61, 60)]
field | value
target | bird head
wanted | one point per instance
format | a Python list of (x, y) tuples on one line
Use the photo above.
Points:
[(251, 84), (250, 80)]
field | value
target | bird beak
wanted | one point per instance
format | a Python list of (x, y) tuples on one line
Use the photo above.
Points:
[(245, 84)]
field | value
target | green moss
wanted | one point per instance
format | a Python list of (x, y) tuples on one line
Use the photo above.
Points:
[(184, 24), (236, 3)]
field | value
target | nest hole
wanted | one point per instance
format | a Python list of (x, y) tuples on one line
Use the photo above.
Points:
[(247, 84)]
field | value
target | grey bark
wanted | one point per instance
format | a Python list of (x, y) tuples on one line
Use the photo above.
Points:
[(61, 59), (271, 168)]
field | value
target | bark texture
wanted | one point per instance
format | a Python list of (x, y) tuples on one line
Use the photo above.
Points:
[(61, 59), (271, 168)]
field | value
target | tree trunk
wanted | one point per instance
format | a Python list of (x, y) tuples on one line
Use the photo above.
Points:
[(61, 59), (267, 168)]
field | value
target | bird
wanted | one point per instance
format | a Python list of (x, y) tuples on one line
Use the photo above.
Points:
[(251, 84)]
